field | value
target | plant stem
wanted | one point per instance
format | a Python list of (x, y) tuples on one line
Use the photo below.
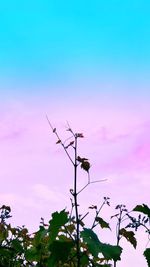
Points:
[(76, 205), (54, 131), (118, 231), (97, 212)]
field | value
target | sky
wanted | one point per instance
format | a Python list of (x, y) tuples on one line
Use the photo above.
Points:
[(88, 63)]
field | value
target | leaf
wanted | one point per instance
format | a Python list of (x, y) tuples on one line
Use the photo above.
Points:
[(102, 223), (143, 208), (146, 220), (81, 159), (54, 130), (16, 245), (3, 232), (58, 142), (95, 246), (129, 235), (80, 135), (58, 220), (4, 252), (32, 254), (85, 165), (60, 250), (92, 241), (70, 228), (93, 207), (39, 236), (147, 256), (84, 260), (71, 143), (111, 252)]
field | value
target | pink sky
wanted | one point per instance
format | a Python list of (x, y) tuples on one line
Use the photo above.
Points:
[(36, 176)]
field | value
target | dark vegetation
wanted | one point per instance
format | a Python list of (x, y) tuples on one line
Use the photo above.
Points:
[(65, 241)]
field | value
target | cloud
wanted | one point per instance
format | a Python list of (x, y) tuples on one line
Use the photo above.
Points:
[(8, 198), (13, 199), (12, 125), (106, 136), (126, 151), (27, 208), (46, 194), (12, 135)]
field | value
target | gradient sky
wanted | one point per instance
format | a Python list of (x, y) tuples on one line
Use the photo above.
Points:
[(86, 62)]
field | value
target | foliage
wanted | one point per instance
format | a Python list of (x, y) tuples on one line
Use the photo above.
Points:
[(143, 208), (147, 256), (65, 241)]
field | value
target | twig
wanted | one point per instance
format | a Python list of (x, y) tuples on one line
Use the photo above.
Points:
[(97, 212), (98, 181), (54, 131), (68, 233), (84, 216)]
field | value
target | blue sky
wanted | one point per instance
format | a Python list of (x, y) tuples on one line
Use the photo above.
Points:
[(63, 42)]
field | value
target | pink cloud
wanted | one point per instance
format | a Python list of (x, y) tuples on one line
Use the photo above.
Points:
[(124, 151), (105, 135), (12, 135)]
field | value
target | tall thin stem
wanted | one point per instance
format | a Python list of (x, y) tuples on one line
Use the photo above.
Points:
[(118, 230), (76, 204)]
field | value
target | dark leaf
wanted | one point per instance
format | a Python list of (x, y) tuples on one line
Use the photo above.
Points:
[(111, 252), (93, 207), (16, 245), (85, 165), (81, 159), (39, 236), (143, 208), (102, 223), (95, 246), (32, 254), (146, 220), (80, 135), (58, 220), (60, 251), (129, 235), (84, 260), (58, 142), (92, 241), (147, 256), (71, 143)]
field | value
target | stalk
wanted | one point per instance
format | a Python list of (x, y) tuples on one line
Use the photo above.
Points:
[(75, 194)]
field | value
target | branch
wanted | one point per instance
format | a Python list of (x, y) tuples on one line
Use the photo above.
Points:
[(55, 132), (98, 181), (98, 211)]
